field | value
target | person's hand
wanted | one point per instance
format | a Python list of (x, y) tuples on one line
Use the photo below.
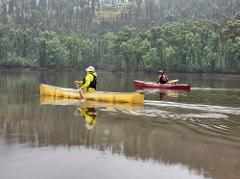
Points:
[(77, 82)]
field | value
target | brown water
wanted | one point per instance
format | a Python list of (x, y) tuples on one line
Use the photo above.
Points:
[(173, 135)]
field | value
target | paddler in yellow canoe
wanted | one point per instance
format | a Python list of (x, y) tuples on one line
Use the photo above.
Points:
[(89, 83)]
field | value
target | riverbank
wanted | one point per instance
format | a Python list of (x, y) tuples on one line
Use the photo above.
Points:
[(226, 74)]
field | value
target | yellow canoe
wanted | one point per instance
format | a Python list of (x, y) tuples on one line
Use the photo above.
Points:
[(114, 97)]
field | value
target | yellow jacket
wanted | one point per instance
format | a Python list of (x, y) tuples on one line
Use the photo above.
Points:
[(88, 79)]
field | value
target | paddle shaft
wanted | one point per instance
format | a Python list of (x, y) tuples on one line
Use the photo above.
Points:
[(79, 90)]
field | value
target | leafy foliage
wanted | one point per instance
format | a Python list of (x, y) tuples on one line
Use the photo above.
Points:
[(175, 35)]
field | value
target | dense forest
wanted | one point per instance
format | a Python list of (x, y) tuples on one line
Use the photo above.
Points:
[(135, 35)]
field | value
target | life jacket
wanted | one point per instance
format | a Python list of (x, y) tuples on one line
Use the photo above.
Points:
[(93, 83), (163, 79)]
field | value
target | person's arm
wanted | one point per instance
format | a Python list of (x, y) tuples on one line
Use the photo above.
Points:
[(87, 82), (166, 79), (158, 81), (79, 82)]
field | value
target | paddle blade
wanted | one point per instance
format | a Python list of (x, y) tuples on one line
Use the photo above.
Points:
[(80, 94), (173, 81)]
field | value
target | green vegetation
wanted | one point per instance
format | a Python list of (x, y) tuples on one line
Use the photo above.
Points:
[(174, 35)]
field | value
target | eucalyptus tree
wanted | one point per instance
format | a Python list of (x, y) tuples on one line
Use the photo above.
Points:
[(51, 52), (4, 43), (150, 60)]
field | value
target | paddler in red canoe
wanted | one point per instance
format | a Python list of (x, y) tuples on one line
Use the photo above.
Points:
[(162, 79)]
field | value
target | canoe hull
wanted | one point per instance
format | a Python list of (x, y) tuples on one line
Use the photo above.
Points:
[(143, 84), (114, 97)]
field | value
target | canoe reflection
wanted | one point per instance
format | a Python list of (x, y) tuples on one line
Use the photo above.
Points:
[(163, 93), (174, 94), (88, 109), (109, 106)]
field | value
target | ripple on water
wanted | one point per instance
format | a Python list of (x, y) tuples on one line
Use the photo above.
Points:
[(215, 89), (207, 119), (200, 107)]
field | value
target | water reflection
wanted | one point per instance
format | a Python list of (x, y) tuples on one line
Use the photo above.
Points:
[(162, 94), (86, 109), (88, 114), (101, 105), (167, 142), (81, 162)]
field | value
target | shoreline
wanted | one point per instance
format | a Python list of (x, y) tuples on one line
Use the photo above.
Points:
[(37, 69)]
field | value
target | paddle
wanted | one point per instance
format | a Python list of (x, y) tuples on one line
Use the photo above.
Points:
[(172, 82), (79, 89)]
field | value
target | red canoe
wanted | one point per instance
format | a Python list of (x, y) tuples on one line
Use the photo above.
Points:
[(144, 84)]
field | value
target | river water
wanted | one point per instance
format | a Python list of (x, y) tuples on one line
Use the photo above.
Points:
[(172, 135)]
